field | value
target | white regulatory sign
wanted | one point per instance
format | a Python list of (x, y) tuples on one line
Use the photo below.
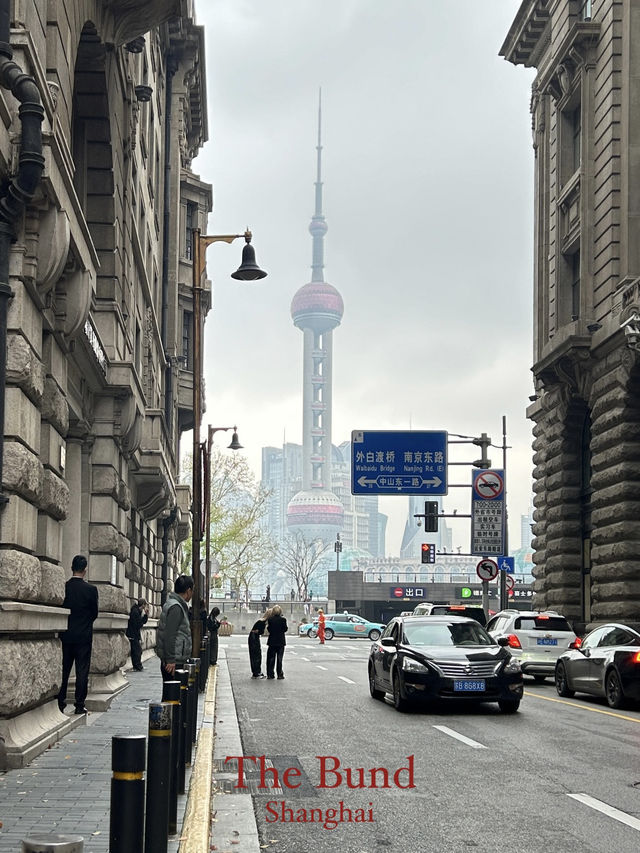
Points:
[(487, 570)]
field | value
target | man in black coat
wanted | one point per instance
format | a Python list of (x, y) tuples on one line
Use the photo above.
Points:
[(277, 626), (137, 618), (82, 600)]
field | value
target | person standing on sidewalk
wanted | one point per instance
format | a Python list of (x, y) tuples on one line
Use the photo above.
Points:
[(137, 618), (173, 637), (81, 598), (277, 625), (255, 649), (213, 624)]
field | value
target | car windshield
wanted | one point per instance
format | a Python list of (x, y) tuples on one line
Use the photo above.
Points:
[(443, 634)]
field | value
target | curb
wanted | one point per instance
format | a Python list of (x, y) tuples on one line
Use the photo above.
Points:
[(194, 837)]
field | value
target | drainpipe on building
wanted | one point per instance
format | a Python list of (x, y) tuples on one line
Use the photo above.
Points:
[(20, 190), (166, 524), (172, 67)]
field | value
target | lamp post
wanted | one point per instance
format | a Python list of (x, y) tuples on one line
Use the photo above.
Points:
[(337, 547), (247, 271), (235, 445)]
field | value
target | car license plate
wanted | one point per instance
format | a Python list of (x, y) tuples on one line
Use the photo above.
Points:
[(546, 641), (469, 685)]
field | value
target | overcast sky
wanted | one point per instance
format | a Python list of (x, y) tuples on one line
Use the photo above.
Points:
[(428, 173)]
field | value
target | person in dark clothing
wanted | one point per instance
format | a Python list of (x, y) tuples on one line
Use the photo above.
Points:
[(81, 598), (213, 624), (255, 649), (137, 617), (277, 625)]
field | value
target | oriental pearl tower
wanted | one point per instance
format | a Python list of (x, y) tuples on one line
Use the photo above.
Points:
[(316, 310)]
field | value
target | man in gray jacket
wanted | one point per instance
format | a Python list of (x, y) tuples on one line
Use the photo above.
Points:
[(173, 638)]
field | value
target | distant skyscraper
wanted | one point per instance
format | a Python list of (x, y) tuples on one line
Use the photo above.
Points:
[(317, 309)]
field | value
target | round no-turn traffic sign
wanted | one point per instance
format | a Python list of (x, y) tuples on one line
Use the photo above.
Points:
[(509, 581), (487, 570)]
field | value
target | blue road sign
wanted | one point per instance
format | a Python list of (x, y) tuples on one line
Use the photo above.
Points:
[(506, 564), (398, 463)]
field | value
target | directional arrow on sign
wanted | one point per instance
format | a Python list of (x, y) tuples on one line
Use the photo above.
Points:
[(400, 481)]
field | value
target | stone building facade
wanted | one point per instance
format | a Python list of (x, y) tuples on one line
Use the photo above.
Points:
[(586, 403), (98, 384)]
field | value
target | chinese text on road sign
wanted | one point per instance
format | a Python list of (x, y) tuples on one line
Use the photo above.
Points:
[(487, 513), (398, 463)]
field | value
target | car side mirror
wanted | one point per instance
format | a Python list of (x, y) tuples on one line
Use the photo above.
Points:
[(577, 644), (503, 641), (388, 642)]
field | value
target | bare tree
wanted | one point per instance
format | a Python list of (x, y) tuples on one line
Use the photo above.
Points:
[(240, 546), (300, 559)]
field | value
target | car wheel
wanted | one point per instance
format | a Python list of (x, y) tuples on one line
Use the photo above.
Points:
[(375, 693), (399, 702), (613, 690), (508, 706), (374, 635), (562, 686), (539, 678), (311, 633), (328, 634)]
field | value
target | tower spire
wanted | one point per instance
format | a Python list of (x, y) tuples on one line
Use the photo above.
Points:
[(318, 227)]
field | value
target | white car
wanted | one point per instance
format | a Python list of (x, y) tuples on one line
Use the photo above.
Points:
[(535, 639)]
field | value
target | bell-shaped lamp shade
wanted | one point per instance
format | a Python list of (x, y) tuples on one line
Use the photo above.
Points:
[(248, 269), (235, 441)]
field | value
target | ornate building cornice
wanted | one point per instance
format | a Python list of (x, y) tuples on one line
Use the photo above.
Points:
[(133, 18), (522, 44)]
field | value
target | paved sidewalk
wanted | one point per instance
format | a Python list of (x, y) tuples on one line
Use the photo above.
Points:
[(67, 789)]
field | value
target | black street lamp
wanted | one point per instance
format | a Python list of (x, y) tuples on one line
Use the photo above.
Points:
[(247, 271)]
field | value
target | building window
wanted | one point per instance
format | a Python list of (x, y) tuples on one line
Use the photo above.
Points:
[(585, 10), (575, 285), (576, 137), (187, 324), (190, 223)]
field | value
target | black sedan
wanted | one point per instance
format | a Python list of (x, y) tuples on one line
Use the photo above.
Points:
[(606, 663), (443, 657)]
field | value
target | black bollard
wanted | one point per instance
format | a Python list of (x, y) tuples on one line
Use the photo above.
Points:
[(126, 826), (171, 695), (183, 675), (156, 825), (204, 669), (188, 724), (193, 688)]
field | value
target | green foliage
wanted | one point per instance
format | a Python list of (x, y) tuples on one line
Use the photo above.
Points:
[(239, 545)]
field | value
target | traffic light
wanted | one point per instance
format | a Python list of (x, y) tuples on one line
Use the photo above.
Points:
[(428, 552), (431, 517), (483, 442)]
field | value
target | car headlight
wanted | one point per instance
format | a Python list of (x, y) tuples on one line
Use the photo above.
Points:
[(411, 665), (512, 666)]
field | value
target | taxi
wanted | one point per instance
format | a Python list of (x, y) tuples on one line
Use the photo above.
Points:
[(343, 625)]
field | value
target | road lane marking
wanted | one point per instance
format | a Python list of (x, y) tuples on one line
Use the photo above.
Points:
[(583, 707), (348, 680), (473, 743), (599, 806), (308, 660), (321, 667)]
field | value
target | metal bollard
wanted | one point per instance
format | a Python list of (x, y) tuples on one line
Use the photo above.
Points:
[(192, 698), (171, 695), (156, 826), (53, 844), (193, 686), (183, 675), (126, 824), (204, 668)]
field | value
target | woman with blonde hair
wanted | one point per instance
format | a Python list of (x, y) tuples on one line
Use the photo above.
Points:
[(255, 649)]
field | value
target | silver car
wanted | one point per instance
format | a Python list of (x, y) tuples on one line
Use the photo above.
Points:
[(535, 639)]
